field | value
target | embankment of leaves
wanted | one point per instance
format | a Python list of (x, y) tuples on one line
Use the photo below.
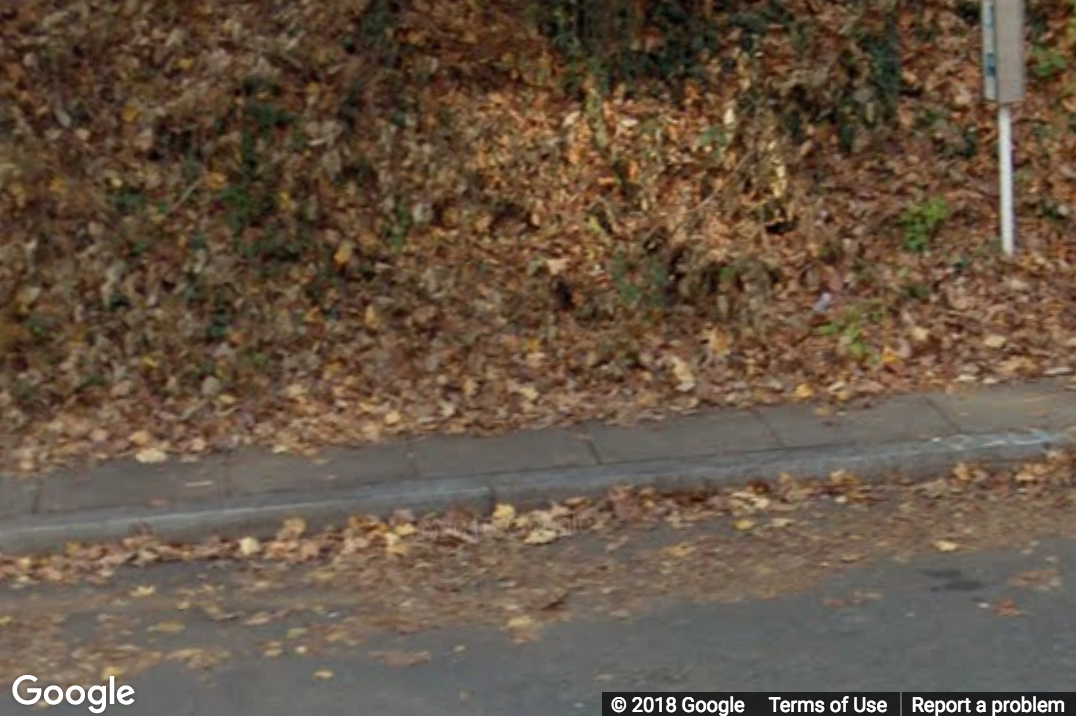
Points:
[(300, 223)]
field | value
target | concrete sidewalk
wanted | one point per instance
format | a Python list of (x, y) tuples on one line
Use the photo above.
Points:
[(250, 492)]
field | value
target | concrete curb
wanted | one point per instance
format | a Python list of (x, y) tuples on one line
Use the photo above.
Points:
[(262, 515)]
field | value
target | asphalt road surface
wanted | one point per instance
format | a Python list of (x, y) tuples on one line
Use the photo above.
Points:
[(942, 588)]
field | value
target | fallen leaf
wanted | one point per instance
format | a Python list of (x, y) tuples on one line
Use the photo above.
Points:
[(523, 628), (395, 546), (995, 341), (402, 659), (685, 376), (323, 674), (141, 438), (1042, 580), (372, 319), (1007, 608), (405, 529), (293, 528), (503, 515), (944, 545), (168, 627), (541, 535), (216, 181), (343, 253), (678, 551), (249, 546), (145, 590), (151, 456)]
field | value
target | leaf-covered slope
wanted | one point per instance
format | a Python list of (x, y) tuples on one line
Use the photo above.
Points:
[(309, 222)]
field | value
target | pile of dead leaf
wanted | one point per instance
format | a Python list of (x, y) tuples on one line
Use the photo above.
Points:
[(302, 223)]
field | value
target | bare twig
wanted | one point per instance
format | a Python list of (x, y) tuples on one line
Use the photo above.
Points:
[(187, 193)]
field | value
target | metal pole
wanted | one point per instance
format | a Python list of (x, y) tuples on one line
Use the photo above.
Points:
[(1008, 212)]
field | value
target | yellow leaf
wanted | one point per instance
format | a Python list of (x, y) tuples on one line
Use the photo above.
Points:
[(744, 524), (995, 341), (523, 628), (145, 590), (504, 514), (889, 356), (130, 113), (392, 417), (249, 546), (216, 181), (323, 674), (151, 456), (111, 672), (394, 546), (804, 392), (542, 535), (944, 545), (371, 318), (286, 204), (343, 255), (405, 529)]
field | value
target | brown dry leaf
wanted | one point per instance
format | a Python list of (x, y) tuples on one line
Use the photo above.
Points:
[(196, 658), (1007, 608), (170, 627), (1043, 580), (402, 659), (216, 181), (258, 619), (144, 590), (679, 551)]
